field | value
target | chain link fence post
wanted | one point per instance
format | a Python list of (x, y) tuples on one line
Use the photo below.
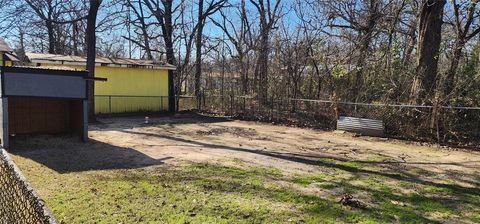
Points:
[(110, 104)]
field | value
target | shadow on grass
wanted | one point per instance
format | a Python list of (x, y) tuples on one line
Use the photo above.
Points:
[(466, 163), (69, 155), (317, 161), (229, 184), (412, 207), (464, 195)]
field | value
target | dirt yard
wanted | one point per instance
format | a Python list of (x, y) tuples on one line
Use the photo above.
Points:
[(193, 169)]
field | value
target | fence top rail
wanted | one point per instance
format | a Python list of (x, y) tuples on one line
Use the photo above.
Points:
[(307, 100), (132, 96), (372, 104), (186, 96), (386, 105), (126, 96), (461, 108), (409, 106)]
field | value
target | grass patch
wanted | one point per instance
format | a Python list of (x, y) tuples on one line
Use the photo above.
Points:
[(436, 190), (345, 164), (353, 164), (327, 160), (209, 193), (476, 218), (305, 180), (198, 193)]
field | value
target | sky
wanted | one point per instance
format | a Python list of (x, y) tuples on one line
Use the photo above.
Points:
[(289, 19), (209, 30)]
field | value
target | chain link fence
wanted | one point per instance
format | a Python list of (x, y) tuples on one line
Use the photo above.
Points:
[(313, 113), (110, 104), (445, 125), (119, 104), (19, 203)]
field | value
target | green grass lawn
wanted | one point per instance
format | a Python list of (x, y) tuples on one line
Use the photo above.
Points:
[(213, 193)]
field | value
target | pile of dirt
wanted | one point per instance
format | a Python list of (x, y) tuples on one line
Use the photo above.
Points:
[(236, 131)]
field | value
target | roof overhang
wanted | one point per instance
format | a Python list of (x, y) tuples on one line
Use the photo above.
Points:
[(103, 62), (42, 61)]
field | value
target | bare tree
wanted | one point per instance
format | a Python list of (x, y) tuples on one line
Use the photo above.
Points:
[(466, 24), (143, 27), (293, 57), (311, 24), (240, 36), (91, 53), (163, 12), (362, 18), (212, 7), (355, 50), (269, 14), (411, 32), (51, 13), (429, 38)]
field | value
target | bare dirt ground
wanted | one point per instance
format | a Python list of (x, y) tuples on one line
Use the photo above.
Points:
[(351, 164), (288, 149)]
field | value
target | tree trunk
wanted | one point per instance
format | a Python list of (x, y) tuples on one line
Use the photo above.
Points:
[(164, 18), (412, 38), (450, 79), (365, 40), (167, 30), (91, 54), (59, 42), (74, 38), (243, 75), (51, 36), (146, 38), (311, 54), (429, 38), (20, 51), (358, 79), (198, 44), (262, 65)]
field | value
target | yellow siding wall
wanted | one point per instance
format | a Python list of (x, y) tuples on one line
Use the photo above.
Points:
[(129, 89), (125, 83)]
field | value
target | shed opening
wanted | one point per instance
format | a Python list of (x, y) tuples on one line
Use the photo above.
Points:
[(40, 115)]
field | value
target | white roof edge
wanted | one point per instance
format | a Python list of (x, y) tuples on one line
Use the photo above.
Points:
[(157, 67), (100, 61)]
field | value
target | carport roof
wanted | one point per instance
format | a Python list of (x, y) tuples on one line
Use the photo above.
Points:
[(100, 61)]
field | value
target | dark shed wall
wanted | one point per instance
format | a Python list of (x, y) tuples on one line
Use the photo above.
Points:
[(76, 116), (30, 115), (4, 121)]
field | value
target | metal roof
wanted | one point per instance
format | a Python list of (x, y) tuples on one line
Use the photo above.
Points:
[(4, 46), (53, 68), (100, 61), (363, 126)]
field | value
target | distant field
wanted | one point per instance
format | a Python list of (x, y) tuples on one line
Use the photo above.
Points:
[(192, 169)]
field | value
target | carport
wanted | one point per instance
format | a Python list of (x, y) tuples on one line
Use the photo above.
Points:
[(43, 101)]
